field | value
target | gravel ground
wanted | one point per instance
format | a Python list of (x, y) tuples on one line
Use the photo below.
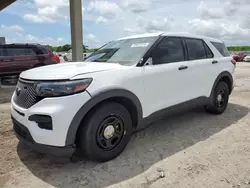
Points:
[(189, 149)]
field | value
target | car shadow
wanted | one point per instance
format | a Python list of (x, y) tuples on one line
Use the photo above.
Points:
[(162, 139)]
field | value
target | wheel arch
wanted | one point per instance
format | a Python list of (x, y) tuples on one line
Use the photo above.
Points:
[(122, 96), (226, 77)]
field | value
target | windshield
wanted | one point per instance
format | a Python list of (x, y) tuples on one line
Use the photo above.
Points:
[(124, 52)]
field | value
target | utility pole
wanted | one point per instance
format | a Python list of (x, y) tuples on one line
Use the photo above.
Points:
[(76, 29)]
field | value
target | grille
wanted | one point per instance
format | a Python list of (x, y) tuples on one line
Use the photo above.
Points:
[(25, 95), (21, 131)]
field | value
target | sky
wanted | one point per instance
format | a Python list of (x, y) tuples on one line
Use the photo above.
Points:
[(47, 21)]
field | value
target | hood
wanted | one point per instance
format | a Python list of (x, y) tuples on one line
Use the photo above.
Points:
[(65, 71)]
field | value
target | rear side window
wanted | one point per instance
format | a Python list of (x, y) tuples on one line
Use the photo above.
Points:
[(221, 48), (196, 49), (43, 50), (208, 51), (39, 50), (29, 52), (169, 50)]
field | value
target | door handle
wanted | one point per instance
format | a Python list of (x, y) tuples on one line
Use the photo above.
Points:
[(214, 62), (183, 67)]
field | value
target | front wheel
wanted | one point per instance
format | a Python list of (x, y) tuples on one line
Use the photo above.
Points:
[(219, 100), (105, 132)]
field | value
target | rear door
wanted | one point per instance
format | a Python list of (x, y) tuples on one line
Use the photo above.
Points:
[(201, 65)]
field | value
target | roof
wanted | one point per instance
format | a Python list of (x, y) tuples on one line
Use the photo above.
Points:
[(179, 34), (22, 44), (188, 35), (5, 3), (142, 36)]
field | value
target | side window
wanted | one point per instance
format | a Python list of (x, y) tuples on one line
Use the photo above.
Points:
[(15, 51), (208, 51), (30, 52), (1, 52), (169, 50), (39, 50), (195, 49), (221, 48)]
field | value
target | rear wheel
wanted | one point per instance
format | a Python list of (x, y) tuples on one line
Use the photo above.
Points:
[(106, 132), (65, 58), (219, 100)]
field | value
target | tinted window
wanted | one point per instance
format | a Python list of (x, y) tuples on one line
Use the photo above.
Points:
[(168, 50), (30, 52), (221, 48), (15, 51), (1, 52), (39, 50), (195, 49), (44, 51), (19, 51), (208, 51)]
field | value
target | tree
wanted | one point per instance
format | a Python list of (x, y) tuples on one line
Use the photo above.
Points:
[(66, 48), (59, 49)]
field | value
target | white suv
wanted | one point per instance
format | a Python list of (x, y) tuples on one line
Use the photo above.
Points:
[(96, 105)]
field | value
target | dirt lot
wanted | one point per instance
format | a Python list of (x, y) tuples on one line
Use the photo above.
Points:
[(191, 149)]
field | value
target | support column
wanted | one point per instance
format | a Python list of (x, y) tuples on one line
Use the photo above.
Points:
[(76, 29)]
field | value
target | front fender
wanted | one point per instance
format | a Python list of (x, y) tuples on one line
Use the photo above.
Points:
[(96, 99)]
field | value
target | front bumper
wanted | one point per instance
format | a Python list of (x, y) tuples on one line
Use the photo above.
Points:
[(61, 110), (23, 134)]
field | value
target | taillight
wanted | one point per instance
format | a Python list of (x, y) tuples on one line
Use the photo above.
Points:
[(233, 62), (55, 58)]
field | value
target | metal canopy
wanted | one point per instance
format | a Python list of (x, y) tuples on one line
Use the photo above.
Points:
[(5, 3)]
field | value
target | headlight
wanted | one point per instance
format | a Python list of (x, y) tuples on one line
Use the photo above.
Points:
[(55, 89)]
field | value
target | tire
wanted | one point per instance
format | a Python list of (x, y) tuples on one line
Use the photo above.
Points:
[(65, 58), (219, 100), (91, 135)]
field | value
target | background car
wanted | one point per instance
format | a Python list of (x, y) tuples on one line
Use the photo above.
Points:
[(68, 55), (241, 56), (16, 58), (236, 57), (247, 58)]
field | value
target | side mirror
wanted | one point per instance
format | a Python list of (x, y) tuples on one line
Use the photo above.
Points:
[(149, 61)]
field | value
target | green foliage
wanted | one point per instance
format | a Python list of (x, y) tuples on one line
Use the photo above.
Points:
[(239, 48)]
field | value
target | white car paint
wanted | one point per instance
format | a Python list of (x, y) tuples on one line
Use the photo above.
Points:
[(66, 70), (156, 86), (247, 58)]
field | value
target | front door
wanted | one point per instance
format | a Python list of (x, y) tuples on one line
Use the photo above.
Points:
[(167, 80)]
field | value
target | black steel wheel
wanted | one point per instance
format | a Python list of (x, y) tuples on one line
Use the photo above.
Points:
[(110, 132), (219, 99), (105, 131)]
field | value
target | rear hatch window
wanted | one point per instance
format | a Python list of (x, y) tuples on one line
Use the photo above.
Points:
[(221, 48)]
